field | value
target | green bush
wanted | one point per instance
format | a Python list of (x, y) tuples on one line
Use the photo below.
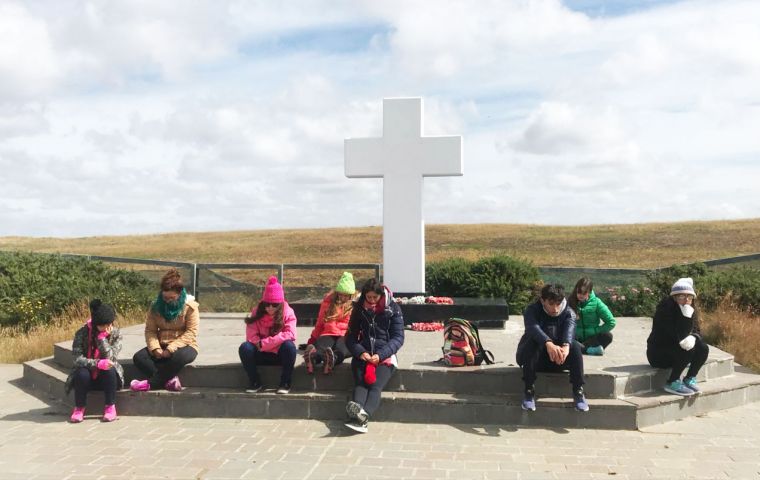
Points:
[(34, 287), (499, 276), (636, 301), (740, 285)]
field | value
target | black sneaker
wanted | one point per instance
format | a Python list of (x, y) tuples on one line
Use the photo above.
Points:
[(356, 412), (255, 388), (529, 400), (283, 389), (358, 426)]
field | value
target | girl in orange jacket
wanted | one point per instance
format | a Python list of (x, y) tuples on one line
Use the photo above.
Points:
[(327, 342)]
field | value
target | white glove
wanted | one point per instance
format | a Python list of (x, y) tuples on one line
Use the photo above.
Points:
[(688, 342)]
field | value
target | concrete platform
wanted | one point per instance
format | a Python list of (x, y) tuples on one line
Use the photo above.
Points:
[(624, 391)]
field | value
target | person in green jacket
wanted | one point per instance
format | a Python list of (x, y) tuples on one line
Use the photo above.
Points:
[(595, 322)]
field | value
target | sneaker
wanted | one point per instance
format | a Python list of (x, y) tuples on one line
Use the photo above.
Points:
[(529, 401), (308, 358), (597, 351), (678, 388), (139, 385), (109, 414), (255, 388), (356, 412), (329, 360), (77, 415), (358, 426), (283, 389), (173, 384), (579, 399), (691, 384)]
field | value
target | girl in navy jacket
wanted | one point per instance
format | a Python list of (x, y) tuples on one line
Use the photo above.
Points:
[(375, 334)]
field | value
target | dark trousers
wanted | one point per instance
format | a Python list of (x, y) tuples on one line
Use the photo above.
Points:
[(535, 358), (107, 380), (251, 358), (368, 396), (159, 370), (599, 340), (338, 345), (676, 358)]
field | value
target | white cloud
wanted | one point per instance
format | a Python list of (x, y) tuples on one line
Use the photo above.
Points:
[(123, 117)]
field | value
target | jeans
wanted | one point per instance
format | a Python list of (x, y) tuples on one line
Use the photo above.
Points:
[(599, 340), (368, 396), (677, 359), (338, 345), (159, 370), (535, 358), (107, 380), (251, 358)]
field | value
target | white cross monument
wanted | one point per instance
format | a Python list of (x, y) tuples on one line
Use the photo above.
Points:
[(402, 157)]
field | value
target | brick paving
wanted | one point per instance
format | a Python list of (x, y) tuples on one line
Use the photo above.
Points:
[(37, 443)]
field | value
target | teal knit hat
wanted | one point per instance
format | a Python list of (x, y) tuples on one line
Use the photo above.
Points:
[(346, 284)]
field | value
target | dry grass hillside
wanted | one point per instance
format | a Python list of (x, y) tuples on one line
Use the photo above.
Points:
[(634, 246)]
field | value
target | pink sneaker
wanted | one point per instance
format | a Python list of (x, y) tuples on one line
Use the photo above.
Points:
[(173, 384), (77, 415), (109, 414), (139, 385)]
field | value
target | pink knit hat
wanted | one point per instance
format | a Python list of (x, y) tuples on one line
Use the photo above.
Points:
[(273, 291)]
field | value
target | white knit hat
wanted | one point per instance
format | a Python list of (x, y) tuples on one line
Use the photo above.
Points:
[(683, 285)]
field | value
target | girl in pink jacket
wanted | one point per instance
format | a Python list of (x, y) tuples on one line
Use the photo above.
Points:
[(270, 336), (328, 339)]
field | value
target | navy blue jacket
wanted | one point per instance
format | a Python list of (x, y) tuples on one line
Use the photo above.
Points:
[(380, 333), (540, 327)]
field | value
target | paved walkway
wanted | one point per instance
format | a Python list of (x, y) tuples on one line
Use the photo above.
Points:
[(37, 443)]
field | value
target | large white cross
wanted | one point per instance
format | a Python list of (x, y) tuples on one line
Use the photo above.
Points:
[(402, 157)]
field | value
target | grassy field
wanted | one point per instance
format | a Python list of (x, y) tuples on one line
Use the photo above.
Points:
[(624, 246)]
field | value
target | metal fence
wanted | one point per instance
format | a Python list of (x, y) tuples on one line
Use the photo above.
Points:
[(234, 286)]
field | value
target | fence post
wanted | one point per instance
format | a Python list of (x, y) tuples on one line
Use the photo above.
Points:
[(196, 277), (281, 272)]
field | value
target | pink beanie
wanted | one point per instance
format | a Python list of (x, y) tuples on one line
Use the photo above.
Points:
[(273, 291)]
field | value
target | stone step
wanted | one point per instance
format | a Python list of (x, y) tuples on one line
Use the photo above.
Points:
[(487, 380), (629, 412)]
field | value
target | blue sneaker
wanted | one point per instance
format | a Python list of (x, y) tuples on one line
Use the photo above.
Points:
[(597, 351), (579, 399), (678, 388), (529, 401), (691, 384)]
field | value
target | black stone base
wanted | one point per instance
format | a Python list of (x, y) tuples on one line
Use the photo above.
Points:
[(484, 312)]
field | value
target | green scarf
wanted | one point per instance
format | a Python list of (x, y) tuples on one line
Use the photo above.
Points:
[(170, 311)]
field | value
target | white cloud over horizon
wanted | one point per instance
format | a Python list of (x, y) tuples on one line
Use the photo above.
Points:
[(143, 117)]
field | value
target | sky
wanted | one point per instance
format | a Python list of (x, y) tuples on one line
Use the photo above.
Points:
[(135, 117)]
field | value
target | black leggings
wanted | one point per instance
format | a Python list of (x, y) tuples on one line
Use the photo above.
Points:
[(599, 340), (338, 345), (159, 370), (368, 396), (676, 358), (107, 380), (535, 358)]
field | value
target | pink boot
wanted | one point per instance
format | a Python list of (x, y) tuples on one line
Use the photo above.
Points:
[(139, 385), (77, 415), (173, 384), (109, 414)]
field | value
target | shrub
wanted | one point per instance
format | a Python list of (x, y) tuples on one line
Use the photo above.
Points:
[(36, 287), (638, 301), (499, 276), (739, 285)]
